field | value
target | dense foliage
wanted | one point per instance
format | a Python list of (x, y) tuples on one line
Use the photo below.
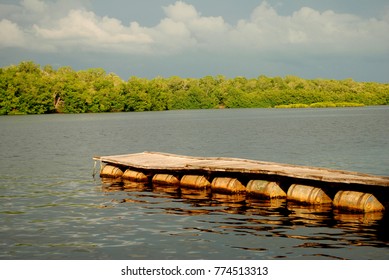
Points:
[(29, 89)]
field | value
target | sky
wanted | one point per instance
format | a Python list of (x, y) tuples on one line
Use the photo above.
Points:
[(311, 39)]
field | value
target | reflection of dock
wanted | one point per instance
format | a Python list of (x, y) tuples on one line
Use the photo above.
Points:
[(310, 185)]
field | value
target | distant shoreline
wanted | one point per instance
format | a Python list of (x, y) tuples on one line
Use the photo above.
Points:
[(28, 88), (321, 105), (290, 106)]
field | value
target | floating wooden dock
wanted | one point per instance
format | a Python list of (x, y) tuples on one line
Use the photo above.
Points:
[(350, 191)]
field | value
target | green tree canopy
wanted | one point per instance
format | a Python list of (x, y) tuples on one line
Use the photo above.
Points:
[(28, 88)]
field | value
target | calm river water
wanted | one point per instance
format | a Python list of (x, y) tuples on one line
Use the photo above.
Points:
[(52, 208)]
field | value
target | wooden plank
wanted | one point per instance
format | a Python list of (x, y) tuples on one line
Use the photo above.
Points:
[(163, 161)]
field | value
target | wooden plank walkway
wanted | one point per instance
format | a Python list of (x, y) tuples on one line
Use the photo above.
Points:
[(170, 162)]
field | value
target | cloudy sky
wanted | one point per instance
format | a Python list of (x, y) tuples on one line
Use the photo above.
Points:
[(194, 38)]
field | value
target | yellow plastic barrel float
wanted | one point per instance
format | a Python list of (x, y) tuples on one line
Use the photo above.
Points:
[(357, 201), (165, 179), (110, 171), (134, 176), (264, 188), (194, 182), (227, 185), (307, 194)]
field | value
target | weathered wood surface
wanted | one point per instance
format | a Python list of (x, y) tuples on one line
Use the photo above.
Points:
[(172, 162)]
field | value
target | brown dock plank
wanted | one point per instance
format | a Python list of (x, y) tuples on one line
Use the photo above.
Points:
[(164, 161)]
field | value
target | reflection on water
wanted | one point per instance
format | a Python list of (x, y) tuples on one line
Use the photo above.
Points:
[(312, 231), (315, 214), (135, 221), (359, 218)]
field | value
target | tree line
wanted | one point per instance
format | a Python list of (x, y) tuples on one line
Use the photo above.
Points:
[(28, 88)]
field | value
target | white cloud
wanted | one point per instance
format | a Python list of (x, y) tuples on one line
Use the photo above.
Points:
[(181, 11), (82, 27), (308, 29), (171, 37), (184, 28), (11, 35)]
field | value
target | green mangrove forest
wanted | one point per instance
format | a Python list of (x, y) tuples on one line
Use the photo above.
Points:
[(28, 88)]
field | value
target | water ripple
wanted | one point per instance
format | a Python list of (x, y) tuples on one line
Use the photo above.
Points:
[(52, 208)]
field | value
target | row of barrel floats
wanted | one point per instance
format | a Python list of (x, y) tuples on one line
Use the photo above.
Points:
[(344, 199)]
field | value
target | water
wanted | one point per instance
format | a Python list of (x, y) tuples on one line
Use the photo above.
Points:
[(52, 208)]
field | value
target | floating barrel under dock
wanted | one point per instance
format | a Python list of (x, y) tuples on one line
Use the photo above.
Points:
[(344, 190)]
